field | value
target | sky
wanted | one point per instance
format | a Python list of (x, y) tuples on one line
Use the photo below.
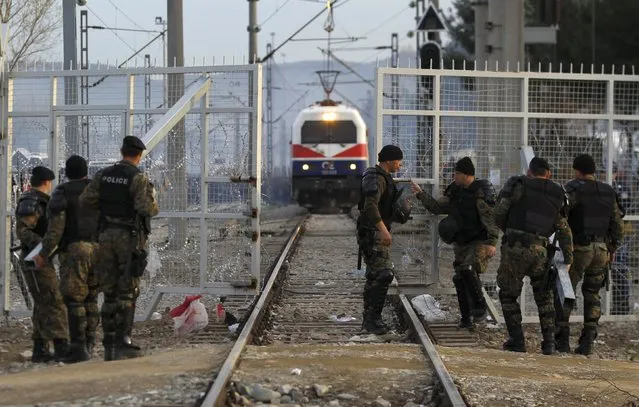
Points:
[(215, 30)]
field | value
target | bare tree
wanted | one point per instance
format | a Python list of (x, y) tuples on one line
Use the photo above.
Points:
[(33, 28)]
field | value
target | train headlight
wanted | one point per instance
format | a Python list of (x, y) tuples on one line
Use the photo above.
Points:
[(353, 166), (305, 167), (329, 116)]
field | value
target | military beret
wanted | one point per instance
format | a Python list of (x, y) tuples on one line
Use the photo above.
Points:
[(75, 167), (465, 166), (133, 142), (584, 163), (41, 174), (390, 153)]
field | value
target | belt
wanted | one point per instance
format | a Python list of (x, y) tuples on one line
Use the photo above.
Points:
[(525, 239), (115, 225)]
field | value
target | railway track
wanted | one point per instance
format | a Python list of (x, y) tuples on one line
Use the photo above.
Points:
[(308, 317)]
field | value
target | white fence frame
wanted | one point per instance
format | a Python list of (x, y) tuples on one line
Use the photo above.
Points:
[(186, 104), (524, 115)]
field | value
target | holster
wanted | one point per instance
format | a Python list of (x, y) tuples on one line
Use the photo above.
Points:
[(366, 240), (138, 262)]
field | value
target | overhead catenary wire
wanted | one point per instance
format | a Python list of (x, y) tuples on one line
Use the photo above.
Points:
[(126, 15), (110, 29), (315, 17), (274, 12), (383, 23)]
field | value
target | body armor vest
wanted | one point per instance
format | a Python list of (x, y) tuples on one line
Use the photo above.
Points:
[(116, 200), (388, 198), (81, 223), (590, 218), (463, 203), (536, 211), (39, 200)]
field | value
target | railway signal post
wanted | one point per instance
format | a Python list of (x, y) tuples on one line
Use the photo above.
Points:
[(429, 56)]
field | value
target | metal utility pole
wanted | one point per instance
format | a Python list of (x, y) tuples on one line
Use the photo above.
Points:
[(84, 80), (176, 146), (6, 148), (269, 119), (71, 133), (395, 87), (160, 21), (147, 93), (481, 33), (253, 28), (424, 85)]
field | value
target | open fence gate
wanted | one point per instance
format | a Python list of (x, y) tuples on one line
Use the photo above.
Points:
[(203, 156)]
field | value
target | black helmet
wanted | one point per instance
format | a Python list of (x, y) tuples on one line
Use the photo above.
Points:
[(402, 208), (448, 229)]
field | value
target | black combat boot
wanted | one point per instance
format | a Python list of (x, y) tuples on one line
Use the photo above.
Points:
[(474, 287), (124, 348), (464, 302), (562, 339), (77, 352), (109, 346), (60, 349), (41, 353), (77, 332), (366, 314), (586, 341), (516, 341), (374, 323), (548, 343)]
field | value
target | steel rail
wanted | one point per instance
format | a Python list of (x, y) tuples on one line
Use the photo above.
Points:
[(217, 393), (456, 400)]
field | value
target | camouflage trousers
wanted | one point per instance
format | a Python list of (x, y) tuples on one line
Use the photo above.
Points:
[(474, 254), (49, 314), (516, 263), (79, 288), (379, 275), (378, 258), (589, 263), (120, 290)]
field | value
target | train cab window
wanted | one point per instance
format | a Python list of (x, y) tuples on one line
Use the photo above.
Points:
[(329, 132)]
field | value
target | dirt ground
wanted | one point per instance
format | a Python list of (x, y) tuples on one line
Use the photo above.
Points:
[(495, 378), (98, 378), (397, 373)]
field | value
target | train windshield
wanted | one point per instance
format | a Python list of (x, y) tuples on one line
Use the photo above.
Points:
[(329, 132)]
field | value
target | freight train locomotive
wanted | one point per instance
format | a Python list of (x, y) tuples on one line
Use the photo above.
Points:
[(329, 154)]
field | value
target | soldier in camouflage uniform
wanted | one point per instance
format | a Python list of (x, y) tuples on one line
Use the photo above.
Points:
[(74, 231), (471, 229), (595, 221), (529, 209), (49, 314), (126, 200), (378, 195)]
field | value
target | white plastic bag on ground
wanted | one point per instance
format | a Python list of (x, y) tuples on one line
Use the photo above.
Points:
[(428, 308), (190, 318)]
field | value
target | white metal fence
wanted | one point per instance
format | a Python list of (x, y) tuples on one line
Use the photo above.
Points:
[(439, 116), (206, 170)]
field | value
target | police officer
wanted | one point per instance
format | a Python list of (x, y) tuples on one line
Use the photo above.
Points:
[(471, 229), (49, 314), (529, 209), (595, 221), (378, 196), (126, 200), (74, 230)]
